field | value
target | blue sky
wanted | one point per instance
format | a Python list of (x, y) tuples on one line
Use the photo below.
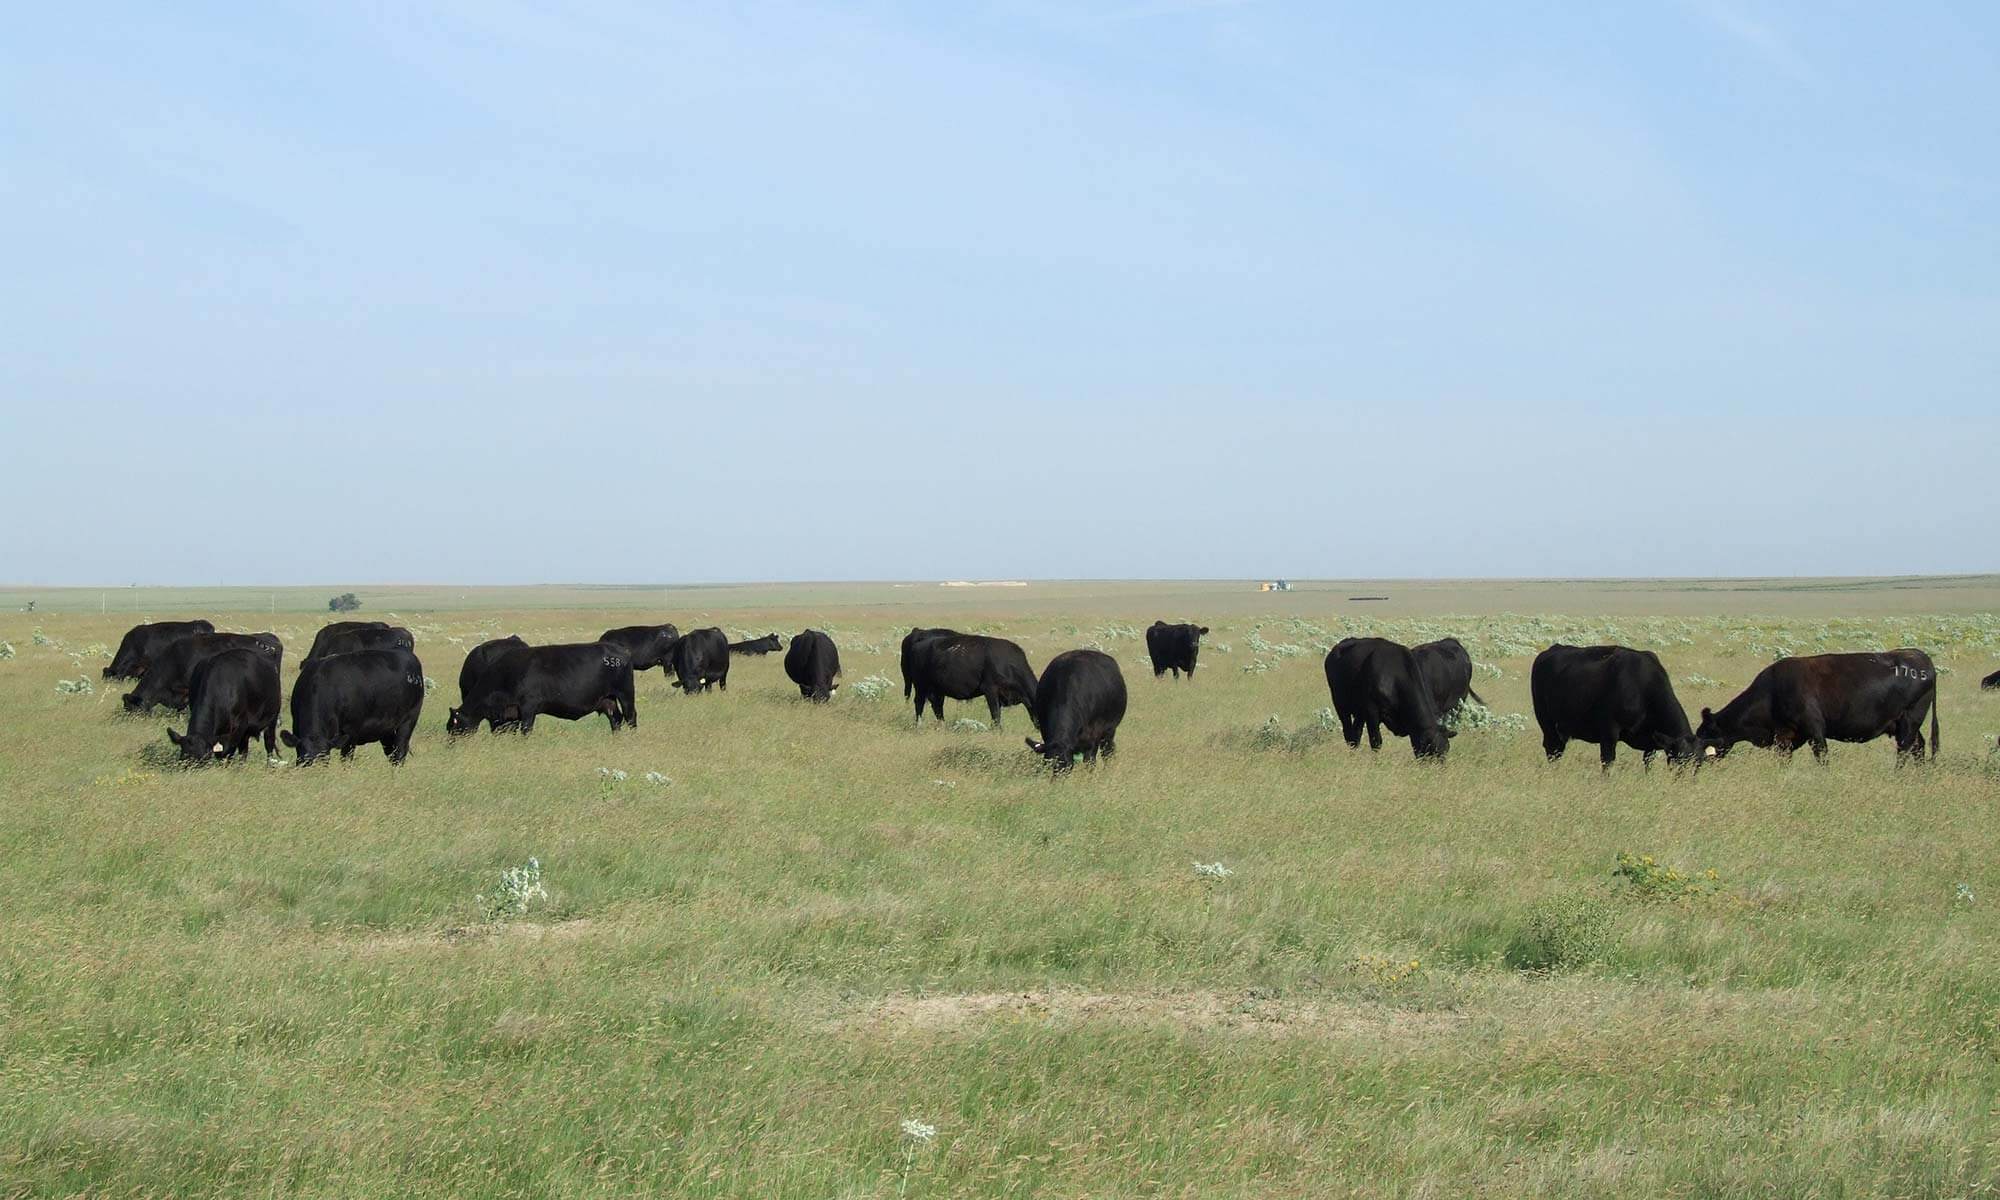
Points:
[(485, 292)]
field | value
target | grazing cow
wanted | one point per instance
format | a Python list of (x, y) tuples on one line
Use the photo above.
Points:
[(910, 641), (349, 641), (649, 645), (346, 700), (1991, 681), (1606, 695), (143, 643), (966, 666), (170, 678), (516, 684), (1843, 697), (233, 697), (1079, 702), (813, 662), (1173, 647), (473, 670), (334, 629), (699, 659), (1377, 682), (767, 644), (1447, 671)]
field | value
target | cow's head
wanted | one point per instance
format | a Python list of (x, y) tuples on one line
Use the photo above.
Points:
[(194, 749), (458, 723), (1061, 756), (1710, 740), (1681, 750), (1434, 742), (132, 703), (309, 748)]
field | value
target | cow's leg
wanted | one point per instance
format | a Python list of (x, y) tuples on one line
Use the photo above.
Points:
[(1110, 746), (400, 748), (1190, 671), (1374, 734), (1646, 756), (1350, 729), (1607, 752), (526, 721), (1159, 671), (271, 740), (347, 752), (920, 705), (1553, 745), (993, 706), (937, 705)]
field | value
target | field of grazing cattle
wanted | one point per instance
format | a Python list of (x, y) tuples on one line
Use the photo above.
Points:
[(764, 946)]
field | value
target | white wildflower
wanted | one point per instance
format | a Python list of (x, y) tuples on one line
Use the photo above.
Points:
[(656, 777), (918, 1131), (1214, 870)]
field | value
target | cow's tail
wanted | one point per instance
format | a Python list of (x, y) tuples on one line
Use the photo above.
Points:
[(1476, 699), (1934, 716)]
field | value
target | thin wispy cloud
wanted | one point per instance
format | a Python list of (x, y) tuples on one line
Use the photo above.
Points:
[(1755, 36)]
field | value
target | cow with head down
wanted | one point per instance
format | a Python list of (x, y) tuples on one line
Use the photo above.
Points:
[(361, 698), (1376, 683), (232, 698), (1079, 703), (517, 684), (1830, 697)]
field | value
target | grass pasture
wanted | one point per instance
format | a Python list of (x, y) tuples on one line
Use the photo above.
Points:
[(1415, 980)]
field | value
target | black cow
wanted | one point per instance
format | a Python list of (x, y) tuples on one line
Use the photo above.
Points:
[(144, 643), (1843, 697), (767, 644), (350, 641), (649, 645), (346, 700), (1079, 702), (1173, 647), (1377, 682), (700, 658), (813, 662), (334, 629), (473, 669), (516, 684), (233, 697), (1991, 681), (170, 678), (1447, 671), (1606, 695), (966, 666), (910, 641)]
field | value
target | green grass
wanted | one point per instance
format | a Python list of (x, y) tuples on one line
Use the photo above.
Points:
[(267, 981)]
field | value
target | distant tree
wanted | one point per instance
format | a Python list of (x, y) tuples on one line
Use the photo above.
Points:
[(345, 602)]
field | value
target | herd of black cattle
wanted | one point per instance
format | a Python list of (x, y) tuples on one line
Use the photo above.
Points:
[(362, 683)]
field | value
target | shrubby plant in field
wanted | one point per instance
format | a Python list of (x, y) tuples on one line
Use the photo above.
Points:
[(520, 888), (968, 725), (80, 686), (1568, 930), (6, 650), (871, 687), (1641, 877), (1470, 714), (1383, 970)]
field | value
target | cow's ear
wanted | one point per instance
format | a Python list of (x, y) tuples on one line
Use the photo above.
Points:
[(173, 737), (1204, 629), (285, 736), (1706, 715), (1033, 744)]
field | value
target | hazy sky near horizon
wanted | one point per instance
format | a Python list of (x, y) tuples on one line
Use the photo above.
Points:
[(480, 291)]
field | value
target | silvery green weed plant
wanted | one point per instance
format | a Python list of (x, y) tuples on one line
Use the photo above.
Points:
[(519, 890), (80, 686), (6, 650), (871, 687)]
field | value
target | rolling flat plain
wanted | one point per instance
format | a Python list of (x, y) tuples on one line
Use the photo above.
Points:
[(768, 934)]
